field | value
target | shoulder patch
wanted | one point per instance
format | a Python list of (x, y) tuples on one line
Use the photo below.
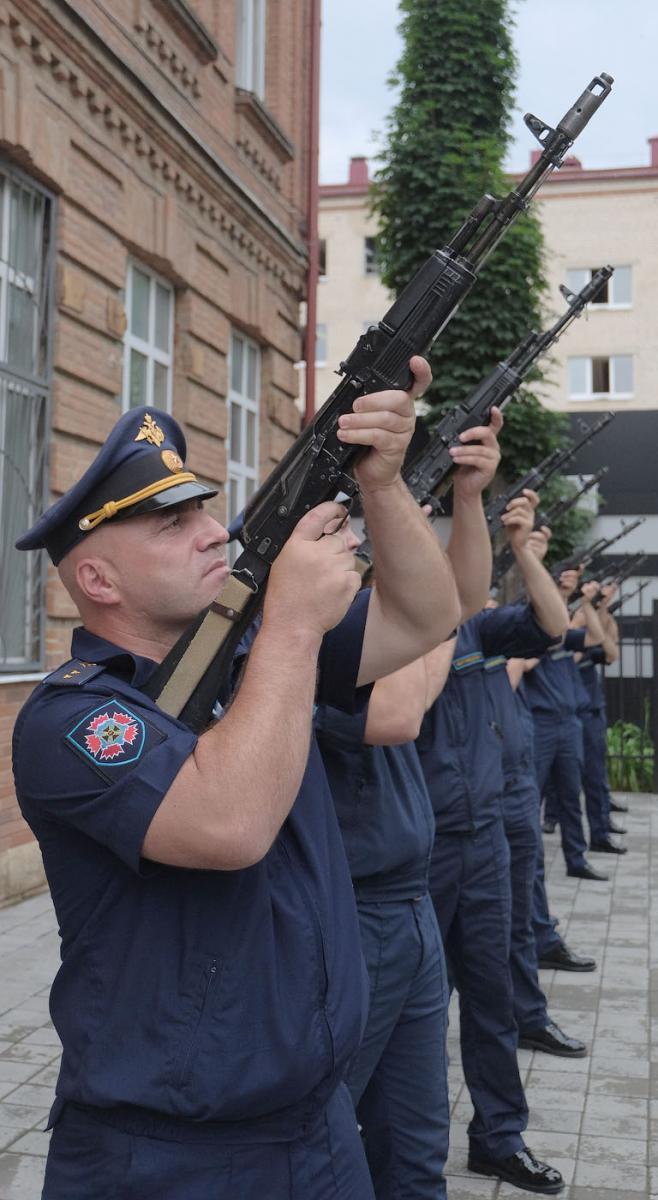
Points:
[(494, 663), (468, 662), (111, 736), (74, 673)]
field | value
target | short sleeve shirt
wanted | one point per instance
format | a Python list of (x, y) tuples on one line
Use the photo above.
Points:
[(209, 995)]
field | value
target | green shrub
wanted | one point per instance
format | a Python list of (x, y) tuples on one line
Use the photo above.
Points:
[(630, 758)]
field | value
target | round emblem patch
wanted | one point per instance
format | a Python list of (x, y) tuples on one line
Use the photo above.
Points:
[(172, 461)]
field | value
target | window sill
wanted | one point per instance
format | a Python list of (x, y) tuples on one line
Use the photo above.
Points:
[(598, 396), (179, 14), (28, 677), (258, 116)]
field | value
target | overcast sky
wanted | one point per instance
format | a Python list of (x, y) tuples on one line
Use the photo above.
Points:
[(560, 44)]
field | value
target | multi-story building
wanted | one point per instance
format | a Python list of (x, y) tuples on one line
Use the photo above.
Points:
[(608, 360), (152, 250)]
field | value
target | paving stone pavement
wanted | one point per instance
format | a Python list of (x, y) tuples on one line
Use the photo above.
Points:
[(593, 1118)]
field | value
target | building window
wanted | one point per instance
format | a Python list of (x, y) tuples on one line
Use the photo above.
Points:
[(243, 412), (616, 291), (250, 46), (596, 378), (320, 345), (370, 265), (26, 259), (148, 341), (322, 259)]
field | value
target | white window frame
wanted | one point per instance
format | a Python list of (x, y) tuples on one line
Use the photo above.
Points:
[(321, 343), (152, 353), (589, 394), (374, 268), (32, 385), (238, 471), (597, 306), (250, 46)]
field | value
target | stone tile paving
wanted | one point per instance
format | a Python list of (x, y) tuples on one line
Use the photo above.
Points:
[(596, 1119)]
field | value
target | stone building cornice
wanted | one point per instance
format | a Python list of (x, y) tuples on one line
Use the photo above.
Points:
[(123, 113)]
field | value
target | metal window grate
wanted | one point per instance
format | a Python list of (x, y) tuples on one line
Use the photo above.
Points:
[(26, 267)]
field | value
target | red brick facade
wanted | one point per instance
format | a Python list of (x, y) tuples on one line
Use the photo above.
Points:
[(129, 114)]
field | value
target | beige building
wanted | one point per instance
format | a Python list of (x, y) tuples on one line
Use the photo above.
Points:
[(153, 166), (590, 218)]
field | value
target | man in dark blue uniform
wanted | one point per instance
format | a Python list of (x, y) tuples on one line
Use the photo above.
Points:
[(211, 994), (460, 747), (398, 1079), (537, 1031), (552, 692), (594, 723)]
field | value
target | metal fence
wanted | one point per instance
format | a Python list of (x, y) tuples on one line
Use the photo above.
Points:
[(632, 701)]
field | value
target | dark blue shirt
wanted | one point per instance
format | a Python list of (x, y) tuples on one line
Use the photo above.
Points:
[(231, 996), (461, 740), (383, 808), (552, 687), (590, 678)]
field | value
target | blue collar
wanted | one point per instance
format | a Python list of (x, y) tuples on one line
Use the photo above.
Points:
[(90, 648)]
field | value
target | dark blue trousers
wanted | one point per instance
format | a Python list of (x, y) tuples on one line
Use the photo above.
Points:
[(521, 817), (398, 1080), (543, 924), (470, 886), (90, 1160), (559, 753), (595, 779)]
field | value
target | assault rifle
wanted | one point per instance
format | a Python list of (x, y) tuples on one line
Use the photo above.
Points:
[(622, 570), (428, 476), (317, 465), (536, 479), (619, 572), (562, 507), (619, 603), (591, 553)]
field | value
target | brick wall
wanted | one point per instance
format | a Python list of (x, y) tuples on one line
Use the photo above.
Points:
[(129, 114)]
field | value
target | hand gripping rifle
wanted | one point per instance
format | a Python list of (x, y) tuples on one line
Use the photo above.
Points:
[(428, 476), (316, 466), (494, 511), (586, 557), (619, 603)]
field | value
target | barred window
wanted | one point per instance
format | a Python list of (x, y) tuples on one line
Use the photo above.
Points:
[(26, 258), (148, 341), (243, 414)]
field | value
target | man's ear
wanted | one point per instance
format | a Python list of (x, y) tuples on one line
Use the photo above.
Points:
[(96, 581)]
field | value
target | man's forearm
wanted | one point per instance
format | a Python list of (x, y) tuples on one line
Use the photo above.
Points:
[(240, 783), (594, 634), (469, 551), (547, 603), (416, 595)]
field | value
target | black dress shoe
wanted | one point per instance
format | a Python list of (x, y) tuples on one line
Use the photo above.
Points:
[(616, 807), (552, 1040), (561, 958), (606, 847), (520, 1169), (612, 828), (549, 826), (586, 872)]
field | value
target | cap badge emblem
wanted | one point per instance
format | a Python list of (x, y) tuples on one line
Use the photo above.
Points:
[(150, 432), (172, 461)]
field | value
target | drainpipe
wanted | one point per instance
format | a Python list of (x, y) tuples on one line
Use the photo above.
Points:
[(312, 209)]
